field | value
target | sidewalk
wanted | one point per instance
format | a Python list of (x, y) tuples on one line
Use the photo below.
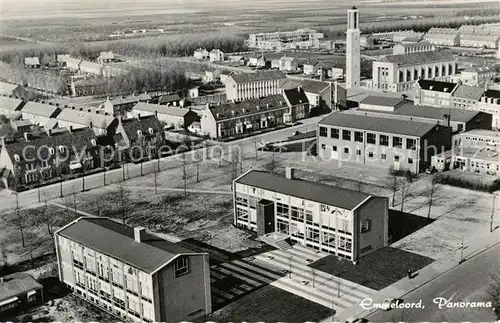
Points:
[(425, 275)]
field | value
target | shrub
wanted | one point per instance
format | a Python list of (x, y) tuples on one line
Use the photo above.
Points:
[(466, 183)]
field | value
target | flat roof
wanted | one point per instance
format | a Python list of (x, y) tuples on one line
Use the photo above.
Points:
[(473, 153), (481, 132), (381, 100), (313, 191), (379, 124), (117, 241)]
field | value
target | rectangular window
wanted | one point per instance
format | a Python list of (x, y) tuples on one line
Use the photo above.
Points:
[(282, 210), (383, 156), (241, 201), (334, 133), (323, 131), (384, 140), (323, 146), (334, 148), (346, 135), (396, 158), (358, 136), (397, 142), (371, 138), (460, 127), (358, 152), (366, 225), (411, 144), (297, 214), (370, 154), (181, 266), (410, 161), (346, 150)]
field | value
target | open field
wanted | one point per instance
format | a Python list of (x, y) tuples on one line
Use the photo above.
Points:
[(286, 307)]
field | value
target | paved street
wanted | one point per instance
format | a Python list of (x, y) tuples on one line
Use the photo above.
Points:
[(467, 282), (53, 191)]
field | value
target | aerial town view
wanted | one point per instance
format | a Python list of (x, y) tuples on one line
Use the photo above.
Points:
[(250, 161)]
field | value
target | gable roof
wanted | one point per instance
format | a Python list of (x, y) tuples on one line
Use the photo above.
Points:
[(131, 126), (169, 98), (84, 118), (258, 76), (309, 86), (417, 58), (7, 88), (17, 284), (380, 124), (381, 100), (161, 109), (442, 31), (492, 94), (437, 86), (295, 96), (62, 58), (107, 55), (41, 109), (12, 104), (77, 139), (313, 191), (31, 61), (468, 92), (117, 241), (492, 38), (248, 107)]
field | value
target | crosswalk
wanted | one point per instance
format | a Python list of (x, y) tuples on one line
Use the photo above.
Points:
[(288, 270)]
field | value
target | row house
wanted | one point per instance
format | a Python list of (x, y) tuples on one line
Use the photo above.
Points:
[(99, 122), (411, 48), (398, 73), (34, 158), (245, 86), (443, 36), (335, 220), (169, 99), (459, 120), (140, 138), (178, 118), (475, 160), (280, 39), (106, 57), (434, 93), (120, 106), (19, 292), (131, 273), (380, 141), (40, 113), (10, 107), (479, 41), (399, 36), (230, 119), (478, 138)]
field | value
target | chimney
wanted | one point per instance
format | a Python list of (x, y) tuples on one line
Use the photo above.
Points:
[(138, 233), (290, 172)]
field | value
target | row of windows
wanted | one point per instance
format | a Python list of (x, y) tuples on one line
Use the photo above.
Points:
[(371, 138), (370, 154)]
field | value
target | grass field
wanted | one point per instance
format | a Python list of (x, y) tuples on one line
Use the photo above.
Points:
[(255, 307)]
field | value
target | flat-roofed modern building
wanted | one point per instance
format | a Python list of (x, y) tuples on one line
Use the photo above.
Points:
[(246, 86), (380, 141), (477, 138), (398, 73), (132, 274), (339, 221), (478, 160), (459, 120)]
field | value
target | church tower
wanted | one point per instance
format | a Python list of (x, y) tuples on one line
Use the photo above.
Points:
[(353, 49)]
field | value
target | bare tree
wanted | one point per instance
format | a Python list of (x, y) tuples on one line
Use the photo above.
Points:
[(198, 157), (184, 171), (393, 183), (19, 221), (74, 193), (255, 142), (234, 161), (433, 188), (155, 177), (273, 164), (406, 189), (121, 197)]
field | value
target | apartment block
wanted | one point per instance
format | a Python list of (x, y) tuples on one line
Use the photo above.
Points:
[(132, 274), (246, 86), (380, 141), (434, 93), (335, 220)]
